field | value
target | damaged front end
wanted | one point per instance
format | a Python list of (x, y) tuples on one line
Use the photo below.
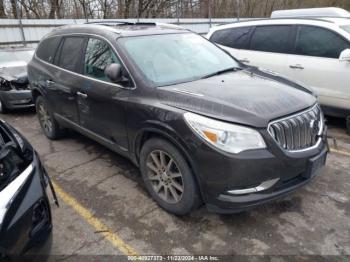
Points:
[(25, 214), (14, 88)]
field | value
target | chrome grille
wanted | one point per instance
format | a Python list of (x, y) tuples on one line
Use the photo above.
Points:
[(299, 131)]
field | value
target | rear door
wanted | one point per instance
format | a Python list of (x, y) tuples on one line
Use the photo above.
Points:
[(264, 46), (270, 47), (65, 82), (316, 64), (101, 103)]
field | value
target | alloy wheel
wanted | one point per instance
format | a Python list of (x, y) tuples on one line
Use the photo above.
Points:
[(165, 176), (45, 118)]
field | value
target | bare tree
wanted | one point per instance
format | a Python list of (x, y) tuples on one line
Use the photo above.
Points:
[(2, 10), (154, 8)]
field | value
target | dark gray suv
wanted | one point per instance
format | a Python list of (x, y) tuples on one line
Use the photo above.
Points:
[(202, 127)]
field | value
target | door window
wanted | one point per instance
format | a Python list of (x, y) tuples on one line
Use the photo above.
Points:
[(316, 41), (276, 38), (47, 49), (71, 51), (98, 56), (233, 37)]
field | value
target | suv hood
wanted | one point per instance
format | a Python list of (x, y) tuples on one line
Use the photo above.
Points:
[(246, 97)]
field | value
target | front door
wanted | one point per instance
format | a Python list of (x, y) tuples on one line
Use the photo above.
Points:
[(101, 103), (317, 65)]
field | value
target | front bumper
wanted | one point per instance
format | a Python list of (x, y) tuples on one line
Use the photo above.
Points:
[(14, 99), (219, 174), (27, 223)]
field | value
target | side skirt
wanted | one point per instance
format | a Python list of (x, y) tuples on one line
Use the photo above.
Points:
[(99, 139)]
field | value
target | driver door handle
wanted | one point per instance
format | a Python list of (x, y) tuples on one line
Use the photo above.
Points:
[(49, 82), (82, 95), (296, 66)]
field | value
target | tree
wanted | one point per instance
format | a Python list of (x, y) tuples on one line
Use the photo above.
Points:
[(2, 9)]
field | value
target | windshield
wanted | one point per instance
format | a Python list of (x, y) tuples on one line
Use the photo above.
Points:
[(176, 58), (14, 56), (346, 28)]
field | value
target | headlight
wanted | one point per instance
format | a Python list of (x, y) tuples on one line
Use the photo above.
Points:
[(227, 137)]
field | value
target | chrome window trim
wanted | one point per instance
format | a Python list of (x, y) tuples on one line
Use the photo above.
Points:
[(10, 191), (88, 77), (295, 115)]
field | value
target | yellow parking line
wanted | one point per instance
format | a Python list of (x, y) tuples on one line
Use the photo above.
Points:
[(113, 238), (333, 150)]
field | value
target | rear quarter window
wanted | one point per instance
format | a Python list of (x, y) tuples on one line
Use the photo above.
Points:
[(47, 49), (232, 37)]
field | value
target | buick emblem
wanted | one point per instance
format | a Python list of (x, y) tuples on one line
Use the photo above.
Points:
[(314, 127)]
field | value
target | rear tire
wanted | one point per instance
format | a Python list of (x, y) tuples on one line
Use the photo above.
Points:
[(168, 178), (348, 125), (48, 123)]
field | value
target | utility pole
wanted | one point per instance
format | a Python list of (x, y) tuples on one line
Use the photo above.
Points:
[(19, 15), (178, 11), (209, 12), (238, 9)]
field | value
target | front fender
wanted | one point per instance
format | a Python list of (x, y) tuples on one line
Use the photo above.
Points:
[(165, 131)]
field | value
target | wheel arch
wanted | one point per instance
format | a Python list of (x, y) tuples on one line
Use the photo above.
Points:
[(35, 94), (170, 136)]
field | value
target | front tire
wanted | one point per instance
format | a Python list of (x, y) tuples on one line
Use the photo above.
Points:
[(348, 125), (168, 178), (47, 121)]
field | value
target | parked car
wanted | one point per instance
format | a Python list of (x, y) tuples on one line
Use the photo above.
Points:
[(201, 126), (313, 51), (14, 86), (25, 215)]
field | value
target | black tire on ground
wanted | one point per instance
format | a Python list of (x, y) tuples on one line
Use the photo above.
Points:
[(3, 109), (48, 123), (170, 178), (348, 125)]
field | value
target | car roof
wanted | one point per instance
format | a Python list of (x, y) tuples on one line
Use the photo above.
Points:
[(311, 12), (122, 29), (325, 21)]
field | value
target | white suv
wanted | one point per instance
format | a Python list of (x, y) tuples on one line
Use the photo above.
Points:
[(313, 51)]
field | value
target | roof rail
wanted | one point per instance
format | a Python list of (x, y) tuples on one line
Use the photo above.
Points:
[(113, 23), (323, 19)]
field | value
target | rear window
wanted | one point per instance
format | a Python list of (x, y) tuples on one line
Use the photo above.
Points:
[(47, 49), (233, 37), (71, 52), (275, 39)]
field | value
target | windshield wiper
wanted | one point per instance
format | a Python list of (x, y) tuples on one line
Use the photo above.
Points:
[(231, 69)]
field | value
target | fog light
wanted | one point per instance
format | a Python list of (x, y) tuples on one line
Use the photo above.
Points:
[(263, 186)]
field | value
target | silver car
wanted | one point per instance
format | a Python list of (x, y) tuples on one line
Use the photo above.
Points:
[(14, 86)]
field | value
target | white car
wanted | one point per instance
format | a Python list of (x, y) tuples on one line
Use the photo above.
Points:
[(312, 51)]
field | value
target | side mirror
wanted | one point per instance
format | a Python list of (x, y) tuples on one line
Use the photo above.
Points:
[(114, 72), (345, 56)]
